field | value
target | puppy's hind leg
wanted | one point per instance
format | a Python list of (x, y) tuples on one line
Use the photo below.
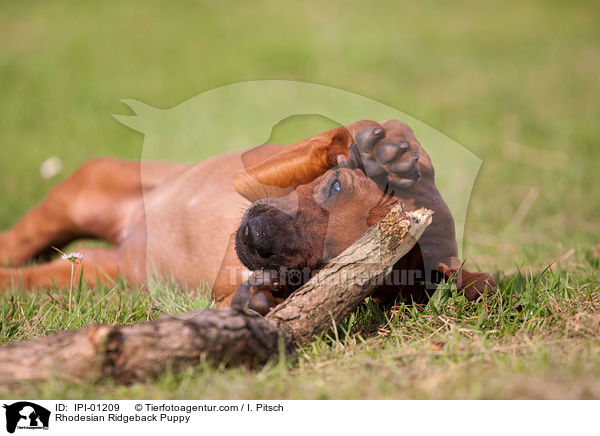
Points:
[(97, 265), (94, 202)]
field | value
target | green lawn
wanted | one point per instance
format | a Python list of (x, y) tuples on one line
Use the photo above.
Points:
[(517, 83)]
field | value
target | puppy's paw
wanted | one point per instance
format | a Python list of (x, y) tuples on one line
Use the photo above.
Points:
[(473, 284), (260, 293), (391, 164)]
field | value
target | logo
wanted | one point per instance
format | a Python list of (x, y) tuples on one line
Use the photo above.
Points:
[(26, 415), (244, 115)]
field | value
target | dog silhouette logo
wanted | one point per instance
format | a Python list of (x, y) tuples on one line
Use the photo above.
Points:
[(26, 415)]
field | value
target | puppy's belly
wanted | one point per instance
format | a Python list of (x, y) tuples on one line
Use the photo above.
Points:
[(183, 229)]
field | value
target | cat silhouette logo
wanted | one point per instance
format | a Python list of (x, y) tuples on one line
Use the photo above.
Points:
[(26, 415)]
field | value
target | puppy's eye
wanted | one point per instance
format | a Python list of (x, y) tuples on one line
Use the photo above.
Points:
[(336, 187)]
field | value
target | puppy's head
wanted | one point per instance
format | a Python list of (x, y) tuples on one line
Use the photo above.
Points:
[(313, 224)]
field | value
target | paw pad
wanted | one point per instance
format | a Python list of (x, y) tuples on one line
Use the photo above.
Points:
[(388, 164)]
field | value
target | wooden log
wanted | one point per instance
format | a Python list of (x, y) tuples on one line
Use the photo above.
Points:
[(138, 352)]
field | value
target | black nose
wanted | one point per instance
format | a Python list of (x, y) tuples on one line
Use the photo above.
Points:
[(255, 235)]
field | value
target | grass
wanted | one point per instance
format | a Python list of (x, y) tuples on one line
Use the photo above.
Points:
[(536, 339), (515, 83)]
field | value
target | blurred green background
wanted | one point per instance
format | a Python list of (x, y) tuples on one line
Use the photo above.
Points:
[(517, 83)]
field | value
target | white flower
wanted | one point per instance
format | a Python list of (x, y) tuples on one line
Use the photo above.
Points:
[(51, 167), (72, 257)]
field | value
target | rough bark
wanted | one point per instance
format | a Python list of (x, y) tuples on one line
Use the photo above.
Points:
[(137, 352)]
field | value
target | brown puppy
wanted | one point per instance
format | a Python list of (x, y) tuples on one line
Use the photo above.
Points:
[(288, 239), (177, 221)]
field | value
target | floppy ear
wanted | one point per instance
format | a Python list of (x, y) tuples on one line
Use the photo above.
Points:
[(295, 165)]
